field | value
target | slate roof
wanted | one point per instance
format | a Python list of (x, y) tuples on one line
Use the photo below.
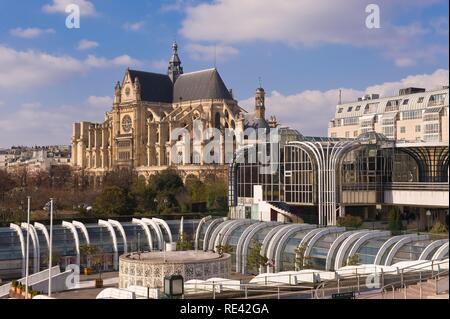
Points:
[(154, 87), (206, 84)]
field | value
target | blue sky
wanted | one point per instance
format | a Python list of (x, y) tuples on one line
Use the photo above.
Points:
[(304, 51)]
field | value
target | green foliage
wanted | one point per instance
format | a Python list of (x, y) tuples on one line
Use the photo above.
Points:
[(350, 221), (183, 243), (14, 283), (302, 261), (353, 260), (114, 201), (254, 257), (395, 221), (55, 259), (438, 228), (224, 249)]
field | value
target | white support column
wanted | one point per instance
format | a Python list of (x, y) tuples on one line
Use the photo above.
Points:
[(44, 230), (425, 255), (158, 232), (146, 230), (112, 232), (36, 247), (199, 228), (163, 223), (19, 232), (119, 226), (74, 232), (83, 229)]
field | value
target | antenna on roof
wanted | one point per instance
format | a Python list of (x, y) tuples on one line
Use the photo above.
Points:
[(215, 55), (340, 96), (260, 81)]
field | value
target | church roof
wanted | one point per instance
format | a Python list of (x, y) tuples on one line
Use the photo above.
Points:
[(154, 87), (206, 84), (255, 123)]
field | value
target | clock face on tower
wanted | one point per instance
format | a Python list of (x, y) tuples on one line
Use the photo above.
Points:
[(126, 124)]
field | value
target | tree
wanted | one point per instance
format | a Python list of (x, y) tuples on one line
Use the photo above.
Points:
[(6, 184), (395, 221), (144, 195), (123, 178), (438, 228), (350, 221), (55, 259), (60, 176), (224, 249), (88, 251), (183, 243), (302, 261), (168, 185), (114, 201), (353, 260), (254, 257)]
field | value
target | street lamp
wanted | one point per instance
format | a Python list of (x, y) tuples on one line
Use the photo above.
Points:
[(50, 248), (428, 213), (27, 258), (174, 286)]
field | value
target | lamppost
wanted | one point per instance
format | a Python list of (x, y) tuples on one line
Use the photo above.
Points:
[(50, 248), (27, 258), (428, 213)]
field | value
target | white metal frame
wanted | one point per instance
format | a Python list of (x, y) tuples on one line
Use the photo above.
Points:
[(429, 249), (440, 253), (163, 223), (19, 232), (146, 230), (334, 248), (387, 245), (112, 232), (36, 247), (119, 226), (44, 230), (74, 232), (158, 232), (199, 229), (210, 229), (346, 246), (83, 230), (400, 244)]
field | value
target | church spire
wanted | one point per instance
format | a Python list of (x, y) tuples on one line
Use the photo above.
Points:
[(175, 69)]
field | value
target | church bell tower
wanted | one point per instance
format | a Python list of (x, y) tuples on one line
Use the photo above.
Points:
[(175, 69)]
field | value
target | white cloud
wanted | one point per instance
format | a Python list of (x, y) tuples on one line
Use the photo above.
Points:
[(87, 8), (30, 33), (136, 26), (87, 44), (159, 65), (26, 69), (103, 102), (310, 111), (210, 52), (307, 23), (44, 125), (441, 26)]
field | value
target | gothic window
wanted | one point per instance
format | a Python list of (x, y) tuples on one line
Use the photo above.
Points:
[(217, 121), (126, 123)]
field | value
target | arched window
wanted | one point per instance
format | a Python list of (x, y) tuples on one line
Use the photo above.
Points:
[(217, 121)]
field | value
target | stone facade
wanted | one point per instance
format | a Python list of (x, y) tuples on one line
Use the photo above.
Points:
[(147, 108), (151, 273)]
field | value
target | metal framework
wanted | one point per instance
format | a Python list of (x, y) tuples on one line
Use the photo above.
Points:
[(74, 232), (19, 232), (110, 228), (119, 226), (36, 247)]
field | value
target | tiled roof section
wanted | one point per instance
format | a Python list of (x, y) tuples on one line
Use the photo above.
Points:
[(199, 85), (154, 87), (256, 123)]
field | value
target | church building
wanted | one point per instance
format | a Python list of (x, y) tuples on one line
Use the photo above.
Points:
[(148, 107)]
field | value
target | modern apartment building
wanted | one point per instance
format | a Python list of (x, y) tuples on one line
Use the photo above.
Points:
[(413, 115)]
